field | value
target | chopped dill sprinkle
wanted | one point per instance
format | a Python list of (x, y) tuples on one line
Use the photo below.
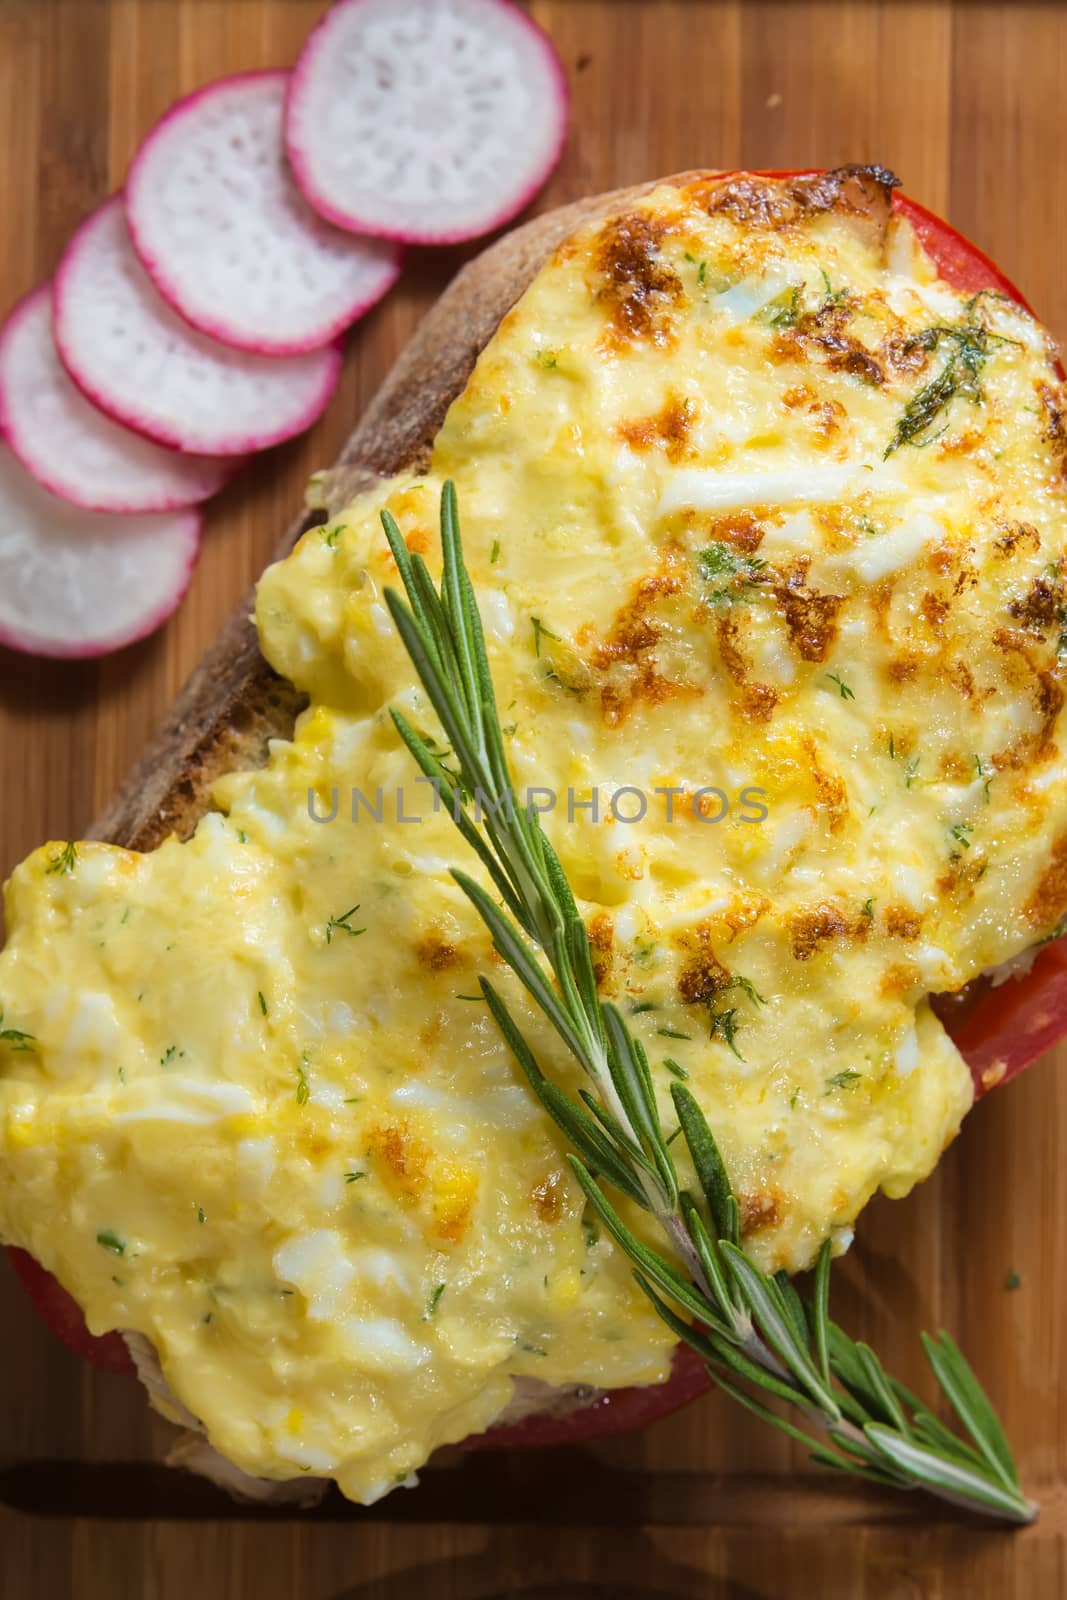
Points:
[(843, 1080), (262, 1002), (434, 1302), (111, 1241), (961, 832), (354, 1177), (732, 576), (303, 1089), (19, 1041), (724, 1026), (843, 689), (868, 910), (970, 344), (343, 924), (201, 1214), (494, 554), (64, 860), (541, 632)]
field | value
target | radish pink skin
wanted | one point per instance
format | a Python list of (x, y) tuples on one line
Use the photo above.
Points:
[(28, 644), (430, 236), (239, 444), (11, 434), (218, 329)]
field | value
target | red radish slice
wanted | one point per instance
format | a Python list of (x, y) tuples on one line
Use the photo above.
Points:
[(78, 583), (425, 120), (142, 364), (227, 237), (73, 448)]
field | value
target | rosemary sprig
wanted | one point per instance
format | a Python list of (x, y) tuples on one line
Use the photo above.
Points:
[(761, 1340)]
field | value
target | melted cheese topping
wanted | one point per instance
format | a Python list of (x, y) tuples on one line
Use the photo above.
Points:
[(263, 1121)]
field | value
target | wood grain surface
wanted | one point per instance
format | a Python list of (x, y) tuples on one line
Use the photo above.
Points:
[(965, 102)]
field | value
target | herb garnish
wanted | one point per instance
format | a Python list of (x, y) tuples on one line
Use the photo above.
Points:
[(65, 860), (343, 924), (541, 632), (961, 832), (784, 310), (844, 1080), (756, 1333), (111, 1241), (842, 687), (731, 574), (969, 344), (434, 1302), (20, 1042)]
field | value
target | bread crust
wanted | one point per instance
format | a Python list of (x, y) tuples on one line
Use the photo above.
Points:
[(234, 704)]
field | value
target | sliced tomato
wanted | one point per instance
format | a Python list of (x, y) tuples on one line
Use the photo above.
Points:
[(999, 1031), (959, 262), (614, 1411), (64, 1316)]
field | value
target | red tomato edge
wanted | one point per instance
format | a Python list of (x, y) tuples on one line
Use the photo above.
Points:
[(1000, 1032)]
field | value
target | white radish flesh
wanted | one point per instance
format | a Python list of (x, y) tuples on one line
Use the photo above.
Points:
[(228, 238), (425, 120), (70, 446), (144, 365), (77, 583)]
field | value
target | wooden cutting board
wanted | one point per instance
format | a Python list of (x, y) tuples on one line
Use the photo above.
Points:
[(965, 102)]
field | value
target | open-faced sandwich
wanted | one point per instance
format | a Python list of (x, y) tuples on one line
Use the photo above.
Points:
[(761, 480)]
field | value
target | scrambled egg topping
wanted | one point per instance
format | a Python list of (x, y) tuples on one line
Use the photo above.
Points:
[(766, 523)]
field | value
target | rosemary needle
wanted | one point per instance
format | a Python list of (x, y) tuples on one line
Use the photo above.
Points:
[(761, 1340)]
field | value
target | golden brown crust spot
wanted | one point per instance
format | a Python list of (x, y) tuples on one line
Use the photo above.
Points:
[(756, 701), (404, 1158), (863, 193), (1043, 604), (1020, 535), (601, 930), (639, 288), (434, 952), (824, 333), (669, 428), (1047, 695), (548, 1196), (811, 619), (1053, 404), (1048, 898), (742, 530), (902, 922), (759, 1209), (814, 925), (627, 652), (829, 786), (703, 974), (935, 610)]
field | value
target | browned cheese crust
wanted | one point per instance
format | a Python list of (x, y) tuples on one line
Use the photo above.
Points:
[(233, 704)]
